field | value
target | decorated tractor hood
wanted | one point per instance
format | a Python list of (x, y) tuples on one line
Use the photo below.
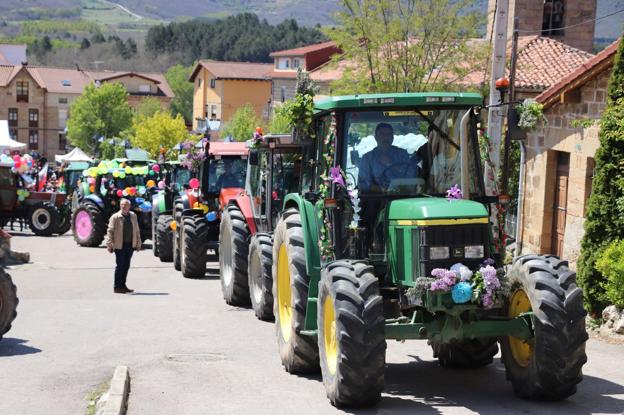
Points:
[(435, 208)]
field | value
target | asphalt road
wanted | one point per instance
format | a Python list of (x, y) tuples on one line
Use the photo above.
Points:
[(190, 353)]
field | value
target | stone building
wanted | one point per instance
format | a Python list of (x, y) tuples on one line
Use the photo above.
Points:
[(550, 18), (36, 100), (560, 159)]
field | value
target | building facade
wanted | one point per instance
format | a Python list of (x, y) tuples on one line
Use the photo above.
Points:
[(220, 88), (36, 101), (560, 159)]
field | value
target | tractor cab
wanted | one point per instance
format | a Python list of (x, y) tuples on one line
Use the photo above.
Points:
[(223, 172)]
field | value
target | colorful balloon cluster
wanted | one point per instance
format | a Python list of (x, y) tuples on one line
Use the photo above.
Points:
[(22, 194), (119, 170), (131, 191), (19, 164)]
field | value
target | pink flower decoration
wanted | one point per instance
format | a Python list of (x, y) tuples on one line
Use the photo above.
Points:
[(454, 193), (336, 176)]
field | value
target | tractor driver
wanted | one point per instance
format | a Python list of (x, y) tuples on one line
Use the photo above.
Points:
[(229, 178), (384, 163)]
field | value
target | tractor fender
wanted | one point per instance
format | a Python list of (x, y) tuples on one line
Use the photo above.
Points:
[(94, 199), (227, 194), (309, 215), (243, 202)]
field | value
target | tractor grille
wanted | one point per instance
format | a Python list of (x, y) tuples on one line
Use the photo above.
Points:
[(455, 237)]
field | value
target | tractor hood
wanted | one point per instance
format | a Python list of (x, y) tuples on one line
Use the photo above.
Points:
[(435, 208)]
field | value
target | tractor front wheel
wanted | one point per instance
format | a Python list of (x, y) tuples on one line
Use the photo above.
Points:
[(88, 225), (64, 221), (548, 366), (164, 236), (260, 277), (465, 354), (194, 246), (8, 302), (234, 250), (299, 353), (43, 219), (351, 337)]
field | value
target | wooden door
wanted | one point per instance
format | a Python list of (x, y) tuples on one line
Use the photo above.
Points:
[(560, 203)]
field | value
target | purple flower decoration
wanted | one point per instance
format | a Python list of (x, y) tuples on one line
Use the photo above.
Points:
[(454, 193), (445, 279), (489, 261), (336, 176)]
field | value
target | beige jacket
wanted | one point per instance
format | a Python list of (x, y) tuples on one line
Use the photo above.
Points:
[(114, 235)]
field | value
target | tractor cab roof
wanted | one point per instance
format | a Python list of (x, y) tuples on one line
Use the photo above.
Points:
[(276, 141), (410, 99), (217, 148)]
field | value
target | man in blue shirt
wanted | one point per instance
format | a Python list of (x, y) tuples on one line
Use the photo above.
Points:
[(384, 163)]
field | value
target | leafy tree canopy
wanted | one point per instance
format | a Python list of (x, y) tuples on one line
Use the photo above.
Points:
[(148, 107), (177, 77), (242, 124), (98, 112), (158, 130)]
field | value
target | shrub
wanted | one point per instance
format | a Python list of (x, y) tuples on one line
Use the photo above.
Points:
[(610, 264)]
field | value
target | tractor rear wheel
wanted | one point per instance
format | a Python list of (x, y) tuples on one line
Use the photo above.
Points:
[(465, 354), (299, 353), (8, 302), (234, 250), (64, 221), (164, 236), (155, 240), (351, 338), (177, 232), (260, 275), (548, 366), (43, 219), (88, 225), (194, 246)]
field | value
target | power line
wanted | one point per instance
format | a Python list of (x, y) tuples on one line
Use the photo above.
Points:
[(574, 25)]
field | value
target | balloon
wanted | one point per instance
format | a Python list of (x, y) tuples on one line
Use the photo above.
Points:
[(141, 190), (150, 183), (92, 188), (128, 170), (16, 158), (17, 164), (161, 184), (122, 175), (125, 192), (194, 183), (116, 173), (119, 193), (21, 198), (133, 190), (259, 130), (156, 168), (151, 172), (90, 180)]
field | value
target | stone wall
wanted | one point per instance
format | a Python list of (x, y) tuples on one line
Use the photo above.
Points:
[(561, 135)]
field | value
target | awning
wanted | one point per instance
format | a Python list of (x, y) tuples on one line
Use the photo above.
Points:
[(75, 155), (6, 142)]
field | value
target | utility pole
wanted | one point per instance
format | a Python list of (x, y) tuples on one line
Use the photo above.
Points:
[(496, 112)]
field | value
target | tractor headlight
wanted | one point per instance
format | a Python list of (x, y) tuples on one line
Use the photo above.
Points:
[(439, 252), (474, 251)]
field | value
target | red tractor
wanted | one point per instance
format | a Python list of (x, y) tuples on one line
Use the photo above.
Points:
[(44, 211), (247, 224), (197, 213)]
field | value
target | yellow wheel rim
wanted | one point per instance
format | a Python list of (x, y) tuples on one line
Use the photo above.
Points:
[(329, 335), (284, 296), (521, 350)]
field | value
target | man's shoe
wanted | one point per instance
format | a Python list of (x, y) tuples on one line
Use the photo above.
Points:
[(120, 290), (128, 290)]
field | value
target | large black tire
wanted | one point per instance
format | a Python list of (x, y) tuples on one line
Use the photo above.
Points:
[(351, 339), (234, 250), (298, 352), (8, 302), (43, 219), (164, 236), (549, 366), (465, 354), (177, 216), (64, 222), (98, 225), (260, 275), (194, 246)]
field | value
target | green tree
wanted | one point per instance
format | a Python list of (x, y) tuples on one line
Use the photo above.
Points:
[(159, 130), (405, 46), (280, 120), (99, 112), (242, 124), (148, 107), (605, 212), (177, 77)]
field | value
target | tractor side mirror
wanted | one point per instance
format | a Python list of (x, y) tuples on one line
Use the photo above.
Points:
[(253, 158), (513, 118)]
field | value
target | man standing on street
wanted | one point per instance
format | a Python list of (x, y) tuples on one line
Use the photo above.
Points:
[(123, 237)]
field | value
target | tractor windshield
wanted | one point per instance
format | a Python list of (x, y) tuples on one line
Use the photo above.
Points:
[(226, 172), (405, 152)]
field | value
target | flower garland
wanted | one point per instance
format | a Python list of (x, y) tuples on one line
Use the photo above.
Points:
[(485, 287), (333, 175)]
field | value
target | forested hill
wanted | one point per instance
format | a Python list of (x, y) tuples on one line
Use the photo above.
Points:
[(243, 37)]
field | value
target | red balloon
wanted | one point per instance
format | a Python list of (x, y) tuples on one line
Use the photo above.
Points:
[(119, 193), (194, 183)]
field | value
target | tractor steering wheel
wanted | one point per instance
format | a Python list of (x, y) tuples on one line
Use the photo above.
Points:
[(393, 171)]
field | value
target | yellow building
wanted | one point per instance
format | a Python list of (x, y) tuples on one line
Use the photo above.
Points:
[(220, 88)]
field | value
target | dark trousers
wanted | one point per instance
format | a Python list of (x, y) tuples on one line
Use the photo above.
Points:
[(123, 257)]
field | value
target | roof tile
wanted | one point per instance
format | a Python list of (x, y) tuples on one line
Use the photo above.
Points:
[(304, 49), (235, 70)]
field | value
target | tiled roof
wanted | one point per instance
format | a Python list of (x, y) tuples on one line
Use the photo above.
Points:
[(234, 70), (581, 75), (304, 49)]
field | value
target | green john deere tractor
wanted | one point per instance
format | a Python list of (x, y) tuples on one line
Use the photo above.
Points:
[(390, 238)]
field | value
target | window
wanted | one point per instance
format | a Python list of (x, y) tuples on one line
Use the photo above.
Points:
[(62, 142), (33, 139), (13, 117), (33, 118), (283, 94), (553, 18), (22, 91), (66, 82), (213, 112), (62, 100), (198, 82), (296, 63), (213, 83), (13, 133), (145, 88), (62, 118), (287, 63)]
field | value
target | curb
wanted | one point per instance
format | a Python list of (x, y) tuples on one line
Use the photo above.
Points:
[(118, 392)]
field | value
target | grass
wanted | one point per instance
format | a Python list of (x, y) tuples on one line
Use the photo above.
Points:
[(93, 396)]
